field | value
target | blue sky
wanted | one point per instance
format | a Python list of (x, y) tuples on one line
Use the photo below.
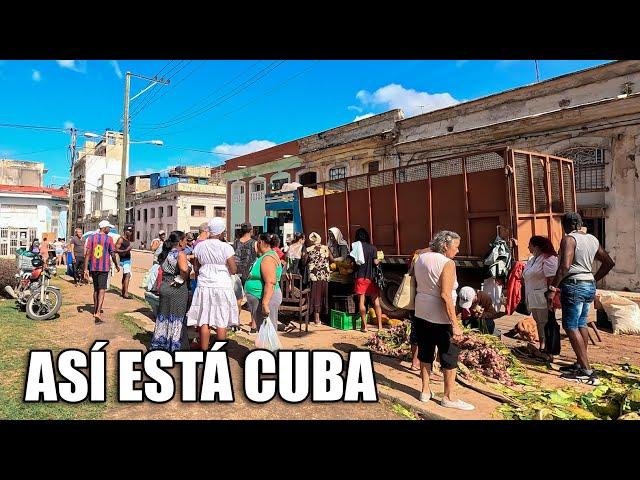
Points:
[(230, 107)]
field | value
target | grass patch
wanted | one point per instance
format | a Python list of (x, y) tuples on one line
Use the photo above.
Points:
[(18, 335)]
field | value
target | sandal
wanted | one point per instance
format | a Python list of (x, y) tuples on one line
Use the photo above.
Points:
[(289, 328)]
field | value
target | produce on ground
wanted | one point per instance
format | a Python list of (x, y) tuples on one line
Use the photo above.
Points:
[(393, 342), (485, 358), (616, 397)]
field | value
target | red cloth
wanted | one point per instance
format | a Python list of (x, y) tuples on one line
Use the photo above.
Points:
[(366, 286), (514, 287), (279, 252)]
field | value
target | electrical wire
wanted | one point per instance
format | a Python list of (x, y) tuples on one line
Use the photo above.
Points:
[(218, 101), (167, 90), (202, 99), (154, 95)]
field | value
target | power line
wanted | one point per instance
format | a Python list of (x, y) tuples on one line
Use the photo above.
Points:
[(221, 99), (167, 90), (254, 99), (33, 127), (151, 97), (200, 100), (37, 151)]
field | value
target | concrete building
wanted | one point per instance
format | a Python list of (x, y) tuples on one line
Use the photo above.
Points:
[(136, 184), (96, 176), (592, 116), (22, 173), (249, 177), (359, 147), (180, 206), (27, 213)]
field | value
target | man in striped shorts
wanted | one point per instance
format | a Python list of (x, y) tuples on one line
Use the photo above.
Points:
[(100, 250)]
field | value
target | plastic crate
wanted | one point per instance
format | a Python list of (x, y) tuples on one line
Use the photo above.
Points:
[(343, 303), (345, 321)]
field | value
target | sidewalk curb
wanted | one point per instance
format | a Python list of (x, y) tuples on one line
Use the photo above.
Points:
[(427, 414)]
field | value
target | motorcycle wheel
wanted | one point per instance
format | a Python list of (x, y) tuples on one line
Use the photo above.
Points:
[(38, 309)]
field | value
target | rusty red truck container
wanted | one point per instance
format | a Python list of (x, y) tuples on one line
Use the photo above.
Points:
[(478, 194)]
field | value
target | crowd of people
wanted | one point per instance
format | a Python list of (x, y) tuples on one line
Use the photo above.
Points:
[(204, 281)]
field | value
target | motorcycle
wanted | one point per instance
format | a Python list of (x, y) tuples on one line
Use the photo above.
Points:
[(33, 291)]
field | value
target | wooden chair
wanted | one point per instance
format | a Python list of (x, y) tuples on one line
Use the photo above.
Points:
[(295, 298)]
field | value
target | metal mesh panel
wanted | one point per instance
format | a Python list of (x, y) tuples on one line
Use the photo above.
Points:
[(540, 184), (413, 173), (483, 162), (556, 197), (568, 191), (446, 168), (522, 183), (334, 186), (380, 179), (357, 183)]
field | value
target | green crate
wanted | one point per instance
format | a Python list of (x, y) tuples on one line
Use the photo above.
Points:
[(344, 321)]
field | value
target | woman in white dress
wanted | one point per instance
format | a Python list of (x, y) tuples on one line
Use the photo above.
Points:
[(214, 301)]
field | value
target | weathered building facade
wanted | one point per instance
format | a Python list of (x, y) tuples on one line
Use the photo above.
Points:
[(592, 116)]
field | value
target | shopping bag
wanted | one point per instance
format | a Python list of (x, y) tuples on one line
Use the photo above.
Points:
[(406, 294), (268, 337), (552, 335)]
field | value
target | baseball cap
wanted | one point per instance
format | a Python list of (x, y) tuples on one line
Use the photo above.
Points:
[(104, 224), (466, 297), (161, 232), (129, 228)]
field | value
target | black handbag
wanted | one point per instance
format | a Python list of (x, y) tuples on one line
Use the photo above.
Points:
[(378, 277), (552, 335)]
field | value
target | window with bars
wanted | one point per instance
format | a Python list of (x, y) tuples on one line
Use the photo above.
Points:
[(337, 173), (373, 167), (588, 165)]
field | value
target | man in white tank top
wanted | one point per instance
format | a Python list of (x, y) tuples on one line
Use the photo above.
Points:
[(577, 283)]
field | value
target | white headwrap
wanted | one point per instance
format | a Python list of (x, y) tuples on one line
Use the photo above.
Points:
[(338, 234), (217, 225)]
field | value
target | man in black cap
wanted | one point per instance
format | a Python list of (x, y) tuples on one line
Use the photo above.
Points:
[(577, 286)]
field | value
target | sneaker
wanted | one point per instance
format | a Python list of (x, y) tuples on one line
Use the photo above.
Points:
[(570, 368), (425, 397), (458, 404), (587, 378)]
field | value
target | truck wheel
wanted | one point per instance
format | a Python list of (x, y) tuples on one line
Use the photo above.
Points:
[(393, 280)]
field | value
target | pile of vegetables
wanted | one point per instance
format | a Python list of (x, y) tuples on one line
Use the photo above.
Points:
[(393, 342), (617, 397), (486, 356), (485, 359)]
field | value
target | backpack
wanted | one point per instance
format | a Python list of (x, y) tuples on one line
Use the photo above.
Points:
[(245, 256)]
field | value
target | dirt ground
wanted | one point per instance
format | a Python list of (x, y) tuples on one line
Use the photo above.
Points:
[(75, 328)]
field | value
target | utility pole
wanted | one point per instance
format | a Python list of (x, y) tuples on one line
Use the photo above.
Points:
[(122, 211), (74, 137), (537, 72)]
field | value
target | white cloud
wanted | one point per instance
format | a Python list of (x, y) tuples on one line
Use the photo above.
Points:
[(227, 150), (460, 63), (69, 124), (116, 68), (362, 117), (409, 100), (355, 108), (35, 76), (79, 66)]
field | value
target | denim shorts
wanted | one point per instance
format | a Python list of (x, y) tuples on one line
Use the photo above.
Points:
[(575, 297)]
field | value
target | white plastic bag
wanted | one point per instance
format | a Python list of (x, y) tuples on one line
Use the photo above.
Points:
[(356, 253), (623, 313), (268, 337), (153, 276)]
